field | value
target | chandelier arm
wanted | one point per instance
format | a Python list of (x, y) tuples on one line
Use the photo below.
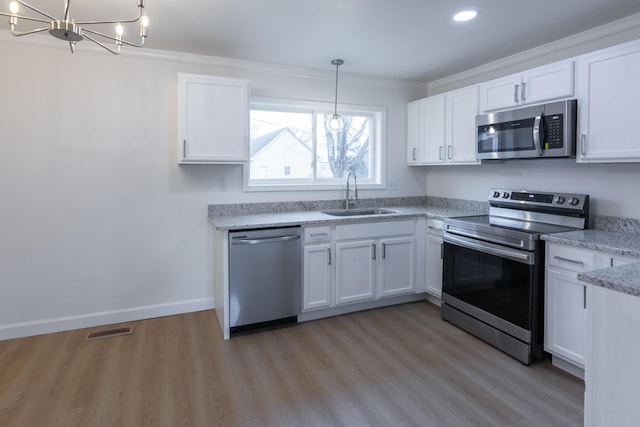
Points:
[(67, 3), (35, 9), (121, 21), (26, 33), (102, 45), (106, 36), (28, 18)]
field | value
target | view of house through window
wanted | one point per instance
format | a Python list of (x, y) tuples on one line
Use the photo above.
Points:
[(294, 145)]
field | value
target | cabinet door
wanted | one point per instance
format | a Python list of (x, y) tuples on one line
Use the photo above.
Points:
[(542, 84), (500, 93), (462, 109), (414, 132), (397, 267), (434, 264), (213, 119), (565, 316), (317, 276), (609, 91), (434, 122), (355, 273)]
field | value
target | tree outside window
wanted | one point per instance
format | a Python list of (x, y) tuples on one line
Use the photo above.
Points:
[(296, 145)]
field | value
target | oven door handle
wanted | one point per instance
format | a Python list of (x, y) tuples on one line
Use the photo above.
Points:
[(497, 250)]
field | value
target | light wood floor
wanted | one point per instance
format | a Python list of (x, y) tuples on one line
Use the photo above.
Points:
[(395, 366)]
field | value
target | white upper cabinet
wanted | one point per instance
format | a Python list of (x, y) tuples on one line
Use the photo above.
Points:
[(462, 109), (608, 97), (414, 133), (434, 129), (213, 119), (546, 83), (441, 128)]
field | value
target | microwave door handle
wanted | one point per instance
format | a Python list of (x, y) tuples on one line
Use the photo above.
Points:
[(538, 133)]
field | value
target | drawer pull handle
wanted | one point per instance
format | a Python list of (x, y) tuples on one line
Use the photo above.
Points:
[(559, 258), (431, 227), (319, 234)]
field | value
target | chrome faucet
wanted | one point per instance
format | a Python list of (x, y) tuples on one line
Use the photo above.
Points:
[(355, 187)]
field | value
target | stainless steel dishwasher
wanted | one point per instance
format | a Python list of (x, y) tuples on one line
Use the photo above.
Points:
[(265, 277)]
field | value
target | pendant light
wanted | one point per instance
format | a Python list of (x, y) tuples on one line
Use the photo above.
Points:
[(335, 122)]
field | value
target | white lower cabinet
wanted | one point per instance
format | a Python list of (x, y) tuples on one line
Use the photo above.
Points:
[(352, 263), (355, 271), (434, 257), (566, 315), (565, 327), (317, 276), (565, 303), (317, 281), (612, 373), (397, 270)]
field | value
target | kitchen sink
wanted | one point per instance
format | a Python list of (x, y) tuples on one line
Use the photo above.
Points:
[(359, 211)]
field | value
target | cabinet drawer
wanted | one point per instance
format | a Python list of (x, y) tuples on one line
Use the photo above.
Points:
[(571, 258), (375, 229), (317, 234)]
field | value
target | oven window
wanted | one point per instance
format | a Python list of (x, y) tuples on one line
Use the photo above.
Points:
[(496, 285), (508, 136)]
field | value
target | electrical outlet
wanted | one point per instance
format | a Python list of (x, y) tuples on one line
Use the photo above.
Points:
[(222, 184), (393, 184)]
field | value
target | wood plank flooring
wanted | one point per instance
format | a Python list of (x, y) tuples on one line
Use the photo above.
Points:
[(395, 366)]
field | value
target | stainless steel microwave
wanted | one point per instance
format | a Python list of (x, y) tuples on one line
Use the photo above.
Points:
[(541, 131)]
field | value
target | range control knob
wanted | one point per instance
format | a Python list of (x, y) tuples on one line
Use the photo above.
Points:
[(573, 201), (559, 200), (496, 194), (505, 195)]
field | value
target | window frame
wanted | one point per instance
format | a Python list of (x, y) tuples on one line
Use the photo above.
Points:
[(377, 145)]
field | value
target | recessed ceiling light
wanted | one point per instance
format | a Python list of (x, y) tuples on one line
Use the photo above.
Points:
[(465, 15)]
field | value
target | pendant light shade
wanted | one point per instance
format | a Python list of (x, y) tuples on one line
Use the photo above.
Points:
[(335, 122)]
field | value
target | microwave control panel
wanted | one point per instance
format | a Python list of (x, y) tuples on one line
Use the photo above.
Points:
[(554, 131)]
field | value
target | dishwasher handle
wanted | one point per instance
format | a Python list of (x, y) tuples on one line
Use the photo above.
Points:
[(263, 240)]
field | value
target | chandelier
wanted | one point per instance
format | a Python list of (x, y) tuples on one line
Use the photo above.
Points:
[(68, 30)]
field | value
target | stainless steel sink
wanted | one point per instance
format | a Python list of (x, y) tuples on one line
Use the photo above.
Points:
[(359, 211)]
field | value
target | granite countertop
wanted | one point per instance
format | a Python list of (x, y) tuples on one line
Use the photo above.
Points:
[(626, 244), (283, 219), (624, 278)]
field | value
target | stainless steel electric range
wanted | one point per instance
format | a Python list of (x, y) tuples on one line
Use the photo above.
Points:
[(493, 267)]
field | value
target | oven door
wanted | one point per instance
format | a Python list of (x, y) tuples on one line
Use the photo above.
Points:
[(495, 284)]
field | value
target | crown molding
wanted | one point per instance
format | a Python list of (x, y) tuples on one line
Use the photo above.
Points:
[(578, 42), (219, 62)]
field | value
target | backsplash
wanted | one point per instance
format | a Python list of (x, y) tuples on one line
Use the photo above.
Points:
[(612, 223), (316, 205)]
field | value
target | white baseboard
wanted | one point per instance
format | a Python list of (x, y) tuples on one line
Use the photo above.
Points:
[(59, 324)]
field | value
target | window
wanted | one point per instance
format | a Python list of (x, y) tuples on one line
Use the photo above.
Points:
[(292, 148)]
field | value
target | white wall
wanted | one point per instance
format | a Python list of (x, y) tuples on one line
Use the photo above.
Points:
[(98, 222), (613, 188)]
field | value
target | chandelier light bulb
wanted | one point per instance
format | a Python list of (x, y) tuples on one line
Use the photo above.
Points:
[(144, 21), (14, 7), (119, 29)]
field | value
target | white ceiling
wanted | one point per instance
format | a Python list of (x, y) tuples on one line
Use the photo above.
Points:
[(403, 39)]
